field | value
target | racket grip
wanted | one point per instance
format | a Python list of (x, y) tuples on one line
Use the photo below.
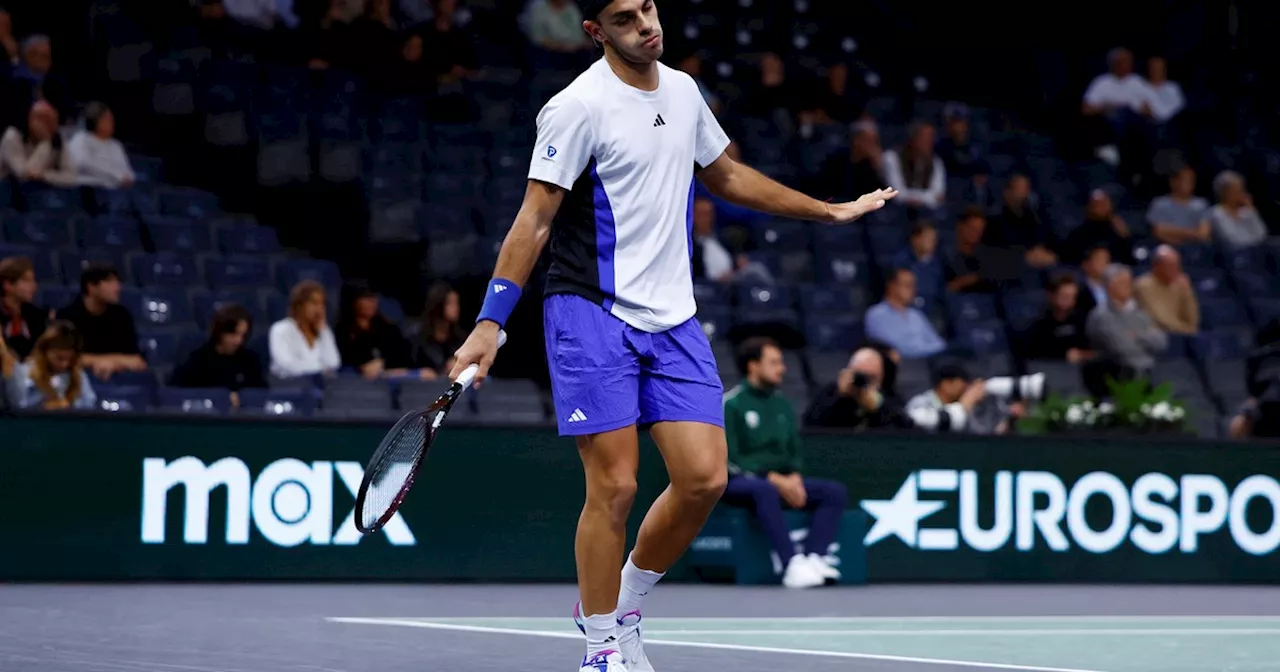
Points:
[(468, 375)]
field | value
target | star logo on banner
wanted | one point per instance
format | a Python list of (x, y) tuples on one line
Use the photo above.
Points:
[(899, 516)]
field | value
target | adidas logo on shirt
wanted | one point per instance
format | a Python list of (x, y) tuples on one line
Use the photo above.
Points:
[(577, 415), (659, 122)]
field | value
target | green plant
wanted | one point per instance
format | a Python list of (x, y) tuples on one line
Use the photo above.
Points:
[(1133, 405)]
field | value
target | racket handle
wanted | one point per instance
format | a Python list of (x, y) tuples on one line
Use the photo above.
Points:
[(468, 375)]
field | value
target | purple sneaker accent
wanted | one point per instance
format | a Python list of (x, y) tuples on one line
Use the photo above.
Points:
[(600, 661), (626, 620), (577, 617)]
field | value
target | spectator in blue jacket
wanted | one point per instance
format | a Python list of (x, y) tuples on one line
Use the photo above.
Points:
[(897, 323), (53, 378), (921, 258)]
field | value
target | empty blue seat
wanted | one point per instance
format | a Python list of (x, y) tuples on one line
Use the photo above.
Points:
[(1251, 259), (248, 239), (839, 239), (74, 262), (448, 221), (165, 269), (238, 273), (112, 232), (43, 198), (1217, 312), (391, 309), (971, 307), (716, 320), (57, 297), (1180, 346), (189, 203), (204, 401), (765, 305), (161, 308), (1209, 282), (710, 293), (293, 271), (1197, 256), (782, 235), (40, 229), (122, 398), (1221, 344), (281, 402), (144, 379), (1022, 309), (1263, 308), (842, 267), (820, 300), (170, 234), (840, 333), (887, 238), (159, 348), (146, 168), (39, 257), (983, 338)]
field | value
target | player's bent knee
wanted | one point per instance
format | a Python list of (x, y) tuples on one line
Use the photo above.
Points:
[(612, 491)]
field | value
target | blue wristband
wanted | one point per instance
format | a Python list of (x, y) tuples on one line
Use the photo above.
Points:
[(500, 300)]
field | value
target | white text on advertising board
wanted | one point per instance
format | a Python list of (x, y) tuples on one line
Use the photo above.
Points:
[(290, 502), (1036, 509)]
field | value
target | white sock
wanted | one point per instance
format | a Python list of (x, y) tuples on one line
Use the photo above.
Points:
[(602, 632), (636, 584)]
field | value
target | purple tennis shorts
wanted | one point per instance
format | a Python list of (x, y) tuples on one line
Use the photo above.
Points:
[(606, 374)]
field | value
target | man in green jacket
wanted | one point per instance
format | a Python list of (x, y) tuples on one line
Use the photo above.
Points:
[(766, 463)]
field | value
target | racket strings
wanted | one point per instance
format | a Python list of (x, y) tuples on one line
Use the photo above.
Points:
[(394, 470)]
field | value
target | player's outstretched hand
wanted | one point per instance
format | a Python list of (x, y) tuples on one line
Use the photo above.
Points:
[(481, 347), (843, 213)]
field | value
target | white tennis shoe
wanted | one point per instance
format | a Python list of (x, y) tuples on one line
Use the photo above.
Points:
[(630, 639), (801, 573), (605, 661), (824, 569)]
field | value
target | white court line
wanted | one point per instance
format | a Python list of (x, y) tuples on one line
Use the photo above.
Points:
[(706, 645), (1074, 632), (878, 619)]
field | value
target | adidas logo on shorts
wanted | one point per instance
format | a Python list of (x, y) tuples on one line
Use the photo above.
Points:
[(577, 415)]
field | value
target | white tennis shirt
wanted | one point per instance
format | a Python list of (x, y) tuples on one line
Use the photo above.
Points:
[(623, 237)]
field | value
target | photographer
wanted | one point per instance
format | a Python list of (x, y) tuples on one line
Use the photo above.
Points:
[(859, 399), (962, 405), (1259, 415)]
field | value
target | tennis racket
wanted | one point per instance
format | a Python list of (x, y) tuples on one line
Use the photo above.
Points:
[(394, 466)]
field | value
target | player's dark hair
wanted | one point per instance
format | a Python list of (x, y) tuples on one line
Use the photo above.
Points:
[(227, 320), (752, 350), (96, 274)]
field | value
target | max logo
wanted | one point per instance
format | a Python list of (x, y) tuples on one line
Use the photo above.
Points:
[(551, 152)]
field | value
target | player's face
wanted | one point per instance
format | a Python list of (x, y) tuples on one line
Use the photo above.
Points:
[(632, 28)]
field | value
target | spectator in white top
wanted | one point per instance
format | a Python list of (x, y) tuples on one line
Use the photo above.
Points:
[(556, 26), (1118, 89), (36, 154), (303, 344), (1236, 223), (262, 14), (1166, 99), (99, 158), (53, 378), (1180, 217), (916, 171)]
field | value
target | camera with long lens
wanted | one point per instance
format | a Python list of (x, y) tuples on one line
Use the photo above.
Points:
[(1031, 387)]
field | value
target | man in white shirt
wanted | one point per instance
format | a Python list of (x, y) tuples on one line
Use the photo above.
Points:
[(1122, 100), (1165, 97), (613, 168)]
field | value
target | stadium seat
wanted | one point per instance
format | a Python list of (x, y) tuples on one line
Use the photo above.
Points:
[(1061, 377), (983, 338), (1254, 282), (1209, 282), (1023, 308), (122, 398), (161, 308), (293, 271), (1221, 344), (165, 269), (422, 393), (764, 304), (170, 234), (971, 307), (782, 235), (842, 268), (158, 347), (206, 304), (254, 401), (57, 297), (1179, 347), (832, 332), (1182, 375), (824, 300), (203, 401), (1263, 309), (143, 379), (825, 365), (42, 229), (111, 232), (1220, 312), (510, 401), (238, 273), (888, 239), (43, 198), (707, 292), (1226, 377), (248, 239), (716, 320), (837, 239), (40, 258)]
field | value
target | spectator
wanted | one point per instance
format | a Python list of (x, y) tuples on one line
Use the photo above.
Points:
[(961, 156), (916, 171), (21, 322), (36, 154), (223, 361), (555, 30), (1059, 334), (1102, 226), (53, 379), (860, 397), (302, 344), (1094, 288), (33, 80), (9, 51), (774, 96), (8, 364), (1019, 226), (921, 258), (712, 260), (368, 341), (965, 270), (1125, 337), (897, 323), (832, 100), (106, 327), (452, 58), (326, 41), (691, 65), (954, 405), (99, 158), (1181, 217), (261, 14), (375, 46), (766, 465), (1121, 101), (1164, 97), (441, 333), (1166, 295), (861, 171), (1236, 223)]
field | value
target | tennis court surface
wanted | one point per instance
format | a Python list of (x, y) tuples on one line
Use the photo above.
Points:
[(393, 628)]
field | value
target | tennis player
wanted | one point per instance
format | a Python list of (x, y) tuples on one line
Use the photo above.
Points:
[(611, 187)]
